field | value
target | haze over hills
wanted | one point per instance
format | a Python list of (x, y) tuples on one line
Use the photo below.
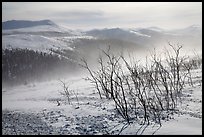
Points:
[(45, 35)]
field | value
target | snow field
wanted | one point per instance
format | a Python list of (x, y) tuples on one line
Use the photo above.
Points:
[(88, 114)]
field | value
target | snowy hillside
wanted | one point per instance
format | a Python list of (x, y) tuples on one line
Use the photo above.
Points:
[(46, 35), (41, 37), (138, 33), (43, 28), (34, 42), (39, 42), (29, 111)]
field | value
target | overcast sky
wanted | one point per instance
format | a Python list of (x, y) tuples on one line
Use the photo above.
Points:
[(89, 15)]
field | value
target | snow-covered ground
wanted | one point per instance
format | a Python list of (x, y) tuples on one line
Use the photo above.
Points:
[(39, 42), (41, 38), (139, 34), (43, 28), (34, 109)]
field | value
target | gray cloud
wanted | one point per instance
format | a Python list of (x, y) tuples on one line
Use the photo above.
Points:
[(79, 16), (82, 13), (107, 14)]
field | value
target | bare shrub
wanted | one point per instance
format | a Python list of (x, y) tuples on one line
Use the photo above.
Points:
[(66, 91), (141, 91)]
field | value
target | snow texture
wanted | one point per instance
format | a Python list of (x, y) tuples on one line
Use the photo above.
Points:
[(40, 108)]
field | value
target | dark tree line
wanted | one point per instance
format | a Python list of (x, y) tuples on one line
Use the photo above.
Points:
[(23, 65)]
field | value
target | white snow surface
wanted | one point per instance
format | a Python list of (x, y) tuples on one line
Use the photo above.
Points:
[(42, 97), (39, 42), (139, 34), (33, 38), (34, 42), (46, 28)]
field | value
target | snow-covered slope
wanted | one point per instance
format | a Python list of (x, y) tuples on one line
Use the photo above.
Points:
[(41, 36), (139, 34), (43, 28), (88, 114), (193, 30), (119, 33), (34, 42), (46, 35), (40, 42)]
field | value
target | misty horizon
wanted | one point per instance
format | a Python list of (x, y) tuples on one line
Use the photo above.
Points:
[(114, 27), (99, 15)]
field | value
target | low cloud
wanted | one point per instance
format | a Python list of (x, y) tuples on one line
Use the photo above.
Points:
[(162, 14)]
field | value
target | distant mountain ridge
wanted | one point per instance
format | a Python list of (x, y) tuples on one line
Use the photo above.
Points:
[(44, 35), (17, 24)]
